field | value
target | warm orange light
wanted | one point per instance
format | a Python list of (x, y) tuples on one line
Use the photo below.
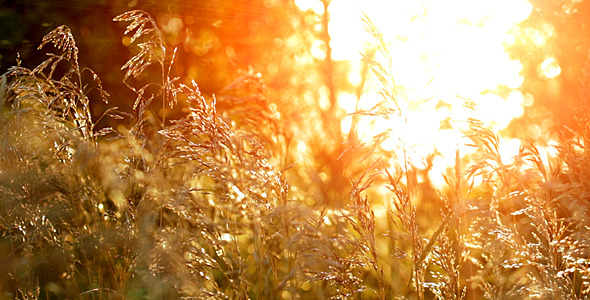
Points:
[(443, 52), (550, 68)]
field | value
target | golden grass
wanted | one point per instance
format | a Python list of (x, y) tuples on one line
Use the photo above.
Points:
[(200, 207)]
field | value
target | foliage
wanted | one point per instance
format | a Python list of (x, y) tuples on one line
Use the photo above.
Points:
[(201, 206)]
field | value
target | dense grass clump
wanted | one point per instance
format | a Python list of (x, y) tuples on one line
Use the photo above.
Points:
[(200, 206)]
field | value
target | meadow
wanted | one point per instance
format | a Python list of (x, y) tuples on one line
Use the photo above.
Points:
[(214, 204)]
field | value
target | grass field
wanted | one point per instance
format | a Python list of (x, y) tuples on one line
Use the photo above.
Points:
[(213, 205)]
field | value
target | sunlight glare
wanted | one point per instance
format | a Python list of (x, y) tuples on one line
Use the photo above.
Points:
[(443, 53)]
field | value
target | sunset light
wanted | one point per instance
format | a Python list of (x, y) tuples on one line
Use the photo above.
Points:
[(444, 54), (295, 149)]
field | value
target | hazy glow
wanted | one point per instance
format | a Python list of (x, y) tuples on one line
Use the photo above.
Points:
[(550, 68), (314, 5), (443, 52)]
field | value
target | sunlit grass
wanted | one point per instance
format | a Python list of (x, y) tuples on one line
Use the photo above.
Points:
[(202, 206), (442, 54)]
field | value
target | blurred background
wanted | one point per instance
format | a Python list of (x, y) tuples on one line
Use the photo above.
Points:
[(522, 63), (337, 96)]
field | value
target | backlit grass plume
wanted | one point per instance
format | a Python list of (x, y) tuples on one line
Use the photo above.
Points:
[(200, 206)]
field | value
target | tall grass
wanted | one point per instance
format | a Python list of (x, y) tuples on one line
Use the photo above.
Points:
[(199, 207)]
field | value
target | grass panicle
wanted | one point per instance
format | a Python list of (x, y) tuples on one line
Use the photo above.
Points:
[(206, 205)]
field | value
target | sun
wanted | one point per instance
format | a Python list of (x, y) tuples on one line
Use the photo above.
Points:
[(444, 53)]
